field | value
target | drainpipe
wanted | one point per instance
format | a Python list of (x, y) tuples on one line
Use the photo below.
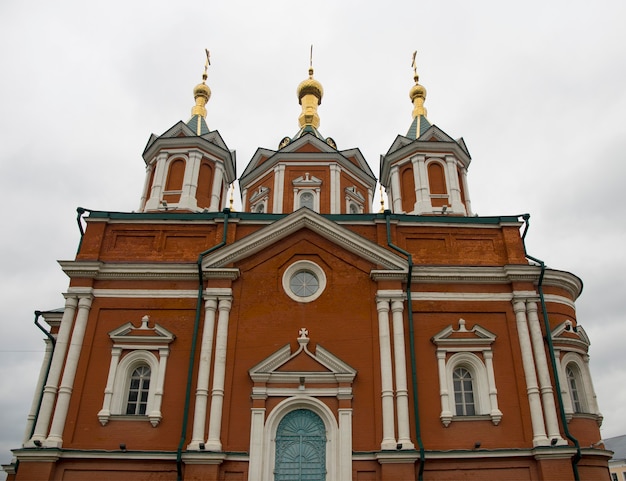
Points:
[(53, 342), (548, 339), (418, 432), (192, 355), (80, 211)]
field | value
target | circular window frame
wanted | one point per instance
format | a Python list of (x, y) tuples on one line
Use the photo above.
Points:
[(294, 269)]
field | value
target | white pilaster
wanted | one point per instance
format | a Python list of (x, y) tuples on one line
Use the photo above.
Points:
[(190, 182), (58, 358), (155, 415), (217, 394), (453, 183), (386, 373), (204, 372), (495, 413), (335, 189), (528, 363), (468, 203), (396, 193), (55, 438), (402, 393), (156, 191), (446, 414), (345, 444), (422, 188), (255, 465), (216, 189), (105, 412), (279, 189), (545, 383)]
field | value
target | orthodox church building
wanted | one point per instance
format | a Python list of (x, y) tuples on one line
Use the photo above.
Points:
[(311, 336)]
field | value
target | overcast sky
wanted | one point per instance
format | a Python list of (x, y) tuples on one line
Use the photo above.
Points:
[(536, 88)]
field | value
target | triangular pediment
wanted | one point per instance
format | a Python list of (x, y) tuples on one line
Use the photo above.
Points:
[(307, 148), (180, 135), (304, 219), (144, 335), (433, 141), (567, 334), (302, 365), (476, 336)]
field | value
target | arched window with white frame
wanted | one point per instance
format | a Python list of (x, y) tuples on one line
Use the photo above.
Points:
[(134, 388), (466, 377), (571, 344)]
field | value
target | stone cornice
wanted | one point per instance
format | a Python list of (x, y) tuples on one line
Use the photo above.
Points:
[(485, 275)]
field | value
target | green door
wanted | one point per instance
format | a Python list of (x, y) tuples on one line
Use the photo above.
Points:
[(300, 447)]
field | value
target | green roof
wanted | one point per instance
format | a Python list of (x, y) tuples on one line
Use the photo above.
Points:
[(419, 125), (198, 125)]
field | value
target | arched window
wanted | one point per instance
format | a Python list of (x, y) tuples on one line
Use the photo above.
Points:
[(300, 447), (306, 200), (463, 392), (138, 391), (175, 175), (260, 208), (574, 383), (354, 209)]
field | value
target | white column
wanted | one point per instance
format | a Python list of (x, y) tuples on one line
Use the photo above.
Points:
[(219, 372), (545, 383), (402, 393), (279, 189), (335, 189), (532, 390), (30, 420), (593, 399), (216, 189), (255, 465), (55, 438), (204, 372), (453, 183), (386, 373), (155, 415), (105, 412), (396, 193), (345, 444), (58, 358), (423, 187), (446, 413)]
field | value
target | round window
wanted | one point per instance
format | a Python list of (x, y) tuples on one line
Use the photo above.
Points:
[(304, 281)]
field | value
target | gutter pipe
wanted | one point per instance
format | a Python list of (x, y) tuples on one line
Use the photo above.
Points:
[(192, 354), (418, 433), (80, 211), (578, 456)]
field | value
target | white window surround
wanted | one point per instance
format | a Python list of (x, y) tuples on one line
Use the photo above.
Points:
[(306, 184), (260, 200), (129, 352), (304, 265), (474, 354), (354, 198), (570, 348)]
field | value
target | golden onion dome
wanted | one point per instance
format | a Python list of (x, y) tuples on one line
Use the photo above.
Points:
[(417, 91), (310, 86), (202, 90)]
